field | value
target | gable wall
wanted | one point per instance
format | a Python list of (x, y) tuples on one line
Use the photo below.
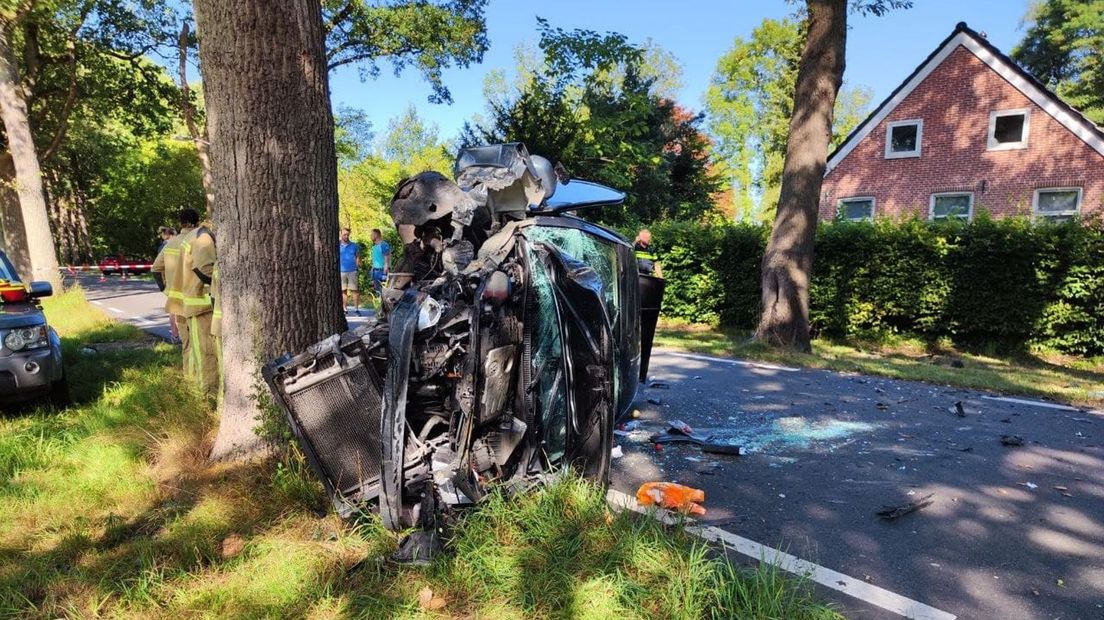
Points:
[(954, 101)]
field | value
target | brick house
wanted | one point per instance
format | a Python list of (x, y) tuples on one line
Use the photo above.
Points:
[(967, 131)]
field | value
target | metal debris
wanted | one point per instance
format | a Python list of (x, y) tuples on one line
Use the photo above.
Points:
[(895, 512)]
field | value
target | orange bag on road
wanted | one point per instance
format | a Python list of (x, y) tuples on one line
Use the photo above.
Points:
[(672, 496)]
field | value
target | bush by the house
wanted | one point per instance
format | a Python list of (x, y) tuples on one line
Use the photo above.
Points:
[(996, 282)]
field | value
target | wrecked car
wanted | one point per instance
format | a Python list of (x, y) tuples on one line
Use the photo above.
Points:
[(508, 343)]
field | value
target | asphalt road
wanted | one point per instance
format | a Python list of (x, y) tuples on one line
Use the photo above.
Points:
[(1012, 532)]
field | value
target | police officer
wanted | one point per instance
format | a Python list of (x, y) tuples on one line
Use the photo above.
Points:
[(168, 274), (197, 266), (646, 262)]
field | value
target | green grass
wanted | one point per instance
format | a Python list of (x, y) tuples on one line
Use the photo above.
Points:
[(1040, 373), (109, 508)]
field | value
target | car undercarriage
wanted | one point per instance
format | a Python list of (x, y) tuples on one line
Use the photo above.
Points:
[(507, 344)]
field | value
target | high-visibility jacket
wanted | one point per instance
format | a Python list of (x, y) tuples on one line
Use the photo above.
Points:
[(167, 264), (197, 252), (645, 260)]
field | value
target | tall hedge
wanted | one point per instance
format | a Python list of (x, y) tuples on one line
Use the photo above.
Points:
[(1001, 282)]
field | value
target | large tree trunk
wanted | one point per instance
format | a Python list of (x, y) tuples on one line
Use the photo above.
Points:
[(36, 239), (275, 183), (788, 261)]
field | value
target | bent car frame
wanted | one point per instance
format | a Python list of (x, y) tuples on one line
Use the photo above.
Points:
[(508, 344)]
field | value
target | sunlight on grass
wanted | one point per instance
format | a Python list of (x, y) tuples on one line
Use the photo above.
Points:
[(110, 508), (1062, 378)]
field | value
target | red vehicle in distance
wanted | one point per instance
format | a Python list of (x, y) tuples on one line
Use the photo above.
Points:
[(124, 265)]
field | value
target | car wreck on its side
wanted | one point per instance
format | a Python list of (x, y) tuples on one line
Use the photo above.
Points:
[(509, 342)]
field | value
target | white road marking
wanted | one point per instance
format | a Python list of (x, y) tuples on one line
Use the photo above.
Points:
[(97, 302), (144, 322), (116, 310), (827, 577), (1033, 403), (706, 358)]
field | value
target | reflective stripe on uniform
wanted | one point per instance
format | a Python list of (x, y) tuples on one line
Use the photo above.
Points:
[(646, 255)]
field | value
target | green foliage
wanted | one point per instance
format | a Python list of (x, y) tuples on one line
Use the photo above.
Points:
[(594, 104), (1002, 283), (136, 185), (749, 102), (1064, 48), (429, 35)]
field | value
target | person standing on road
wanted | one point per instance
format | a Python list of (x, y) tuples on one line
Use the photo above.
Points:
[(348, 253), (646, 261), (381, 260), (167, 233)]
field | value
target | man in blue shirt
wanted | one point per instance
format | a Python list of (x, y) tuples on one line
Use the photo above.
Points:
[(381, 260), (348, 253)]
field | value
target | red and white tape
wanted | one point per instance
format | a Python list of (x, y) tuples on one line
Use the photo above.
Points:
[(74, 268)]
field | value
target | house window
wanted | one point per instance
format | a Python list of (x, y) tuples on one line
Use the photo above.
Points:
[(903, 138), (1008, 129), (952, 205), (1057, 204), (856, 209)]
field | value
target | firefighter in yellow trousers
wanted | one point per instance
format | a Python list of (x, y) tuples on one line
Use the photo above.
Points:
[(168, 272), (198, 265)]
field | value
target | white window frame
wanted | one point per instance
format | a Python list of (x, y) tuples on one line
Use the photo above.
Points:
[(890, 153), (873, 208), (1049, 214), (991, 140), (931, 205)]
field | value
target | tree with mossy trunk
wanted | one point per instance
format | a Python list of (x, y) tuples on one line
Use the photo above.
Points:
[(788, 260)]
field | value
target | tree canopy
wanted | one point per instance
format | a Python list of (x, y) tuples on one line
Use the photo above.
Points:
[(749, 103), (1064, 48), (431, 36), (595, 103)]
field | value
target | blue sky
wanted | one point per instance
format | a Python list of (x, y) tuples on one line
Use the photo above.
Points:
[(881, 51)]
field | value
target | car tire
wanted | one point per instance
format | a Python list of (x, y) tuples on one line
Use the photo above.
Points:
[(59, 393)]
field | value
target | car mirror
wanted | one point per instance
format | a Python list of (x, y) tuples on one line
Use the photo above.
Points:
[(41, 289)]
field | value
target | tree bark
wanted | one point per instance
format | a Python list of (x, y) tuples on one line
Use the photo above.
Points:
[(199, 138), (36, 240), (11, 217), (274, 172), (788, 261)]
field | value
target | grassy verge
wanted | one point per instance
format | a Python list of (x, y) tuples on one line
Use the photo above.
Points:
[(109, 509), (1062, 378)]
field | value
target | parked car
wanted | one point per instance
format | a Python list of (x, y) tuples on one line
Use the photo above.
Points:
[(30, 350), (129, 265), (508, 343)]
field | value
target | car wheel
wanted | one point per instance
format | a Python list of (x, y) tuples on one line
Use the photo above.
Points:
[(59, 393)]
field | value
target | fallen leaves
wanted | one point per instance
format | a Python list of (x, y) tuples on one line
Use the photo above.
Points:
[(427, 600)]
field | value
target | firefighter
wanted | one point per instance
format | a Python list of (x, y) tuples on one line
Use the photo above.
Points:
[(169, 277), (646, 261), (197, 265)]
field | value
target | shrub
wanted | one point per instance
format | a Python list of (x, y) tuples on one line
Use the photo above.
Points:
[(1003, 282)]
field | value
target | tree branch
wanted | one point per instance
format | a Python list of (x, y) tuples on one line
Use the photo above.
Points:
[(71, 95), (185, 91), (338, 17)]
